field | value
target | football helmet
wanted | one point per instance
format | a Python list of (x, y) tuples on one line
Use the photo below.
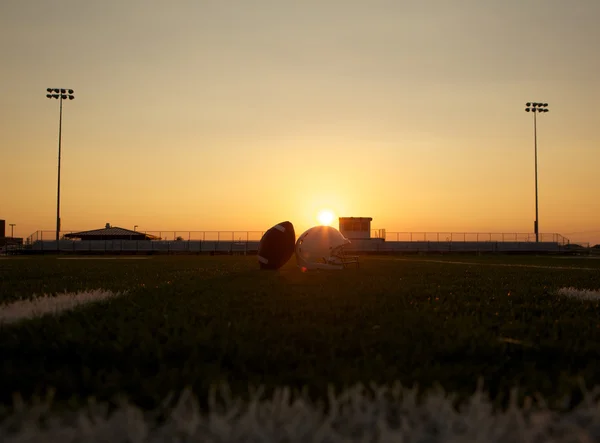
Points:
[(322, 247)]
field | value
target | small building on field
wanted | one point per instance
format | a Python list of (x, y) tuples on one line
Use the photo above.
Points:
[(355, 227), (111, 233)]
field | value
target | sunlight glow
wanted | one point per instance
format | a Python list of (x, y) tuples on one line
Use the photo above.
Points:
[(326, 217)]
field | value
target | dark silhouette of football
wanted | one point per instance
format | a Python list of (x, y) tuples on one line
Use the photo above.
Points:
[(276, 246)]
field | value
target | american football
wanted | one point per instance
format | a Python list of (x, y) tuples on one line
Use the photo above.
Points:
[(276, 246)]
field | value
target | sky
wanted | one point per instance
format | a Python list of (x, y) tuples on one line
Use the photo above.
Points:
[(238, 114)]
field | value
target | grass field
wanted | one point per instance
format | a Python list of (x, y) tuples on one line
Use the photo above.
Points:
[(193, 321)]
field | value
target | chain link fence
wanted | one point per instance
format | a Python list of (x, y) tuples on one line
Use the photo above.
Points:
[(244, 242)]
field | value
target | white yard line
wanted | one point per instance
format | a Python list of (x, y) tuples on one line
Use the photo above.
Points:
[(506, 265), (582, 294), (79, 257), (51, 305)]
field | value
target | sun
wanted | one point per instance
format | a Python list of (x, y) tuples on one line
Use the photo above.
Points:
[(325, 217)]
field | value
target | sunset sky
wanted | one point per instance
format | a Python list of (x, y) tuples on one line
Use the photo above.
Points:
[(236, 115)]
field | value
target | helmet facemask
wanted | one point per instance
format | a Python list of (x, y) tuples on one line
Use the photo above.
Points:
[(322, 247)]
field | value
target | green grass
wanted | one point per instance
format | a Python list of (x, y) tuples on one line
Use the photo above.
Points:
[(198, 320)]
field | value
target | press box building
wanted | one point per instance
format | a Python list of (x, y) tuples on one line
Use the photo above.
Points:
[(355, 227)]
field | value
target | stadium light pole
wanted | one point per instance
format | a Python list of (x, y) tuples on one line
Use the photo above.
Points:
[(536, 108), (60, 95)]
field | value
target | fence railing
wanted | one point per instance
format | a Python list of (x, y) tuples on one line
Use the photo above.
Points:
[(212, 236), (469, 237), (251, 236)]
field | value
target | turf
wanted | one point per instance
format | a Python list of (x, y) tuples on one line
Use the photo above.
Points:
[(199, 320)]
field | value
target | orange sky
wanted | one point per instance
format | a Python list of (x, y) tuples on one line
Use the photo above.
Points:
[(235, 115)]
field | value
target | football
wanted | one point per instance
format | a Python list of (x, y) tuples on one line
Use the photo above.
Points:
[(276, 246)]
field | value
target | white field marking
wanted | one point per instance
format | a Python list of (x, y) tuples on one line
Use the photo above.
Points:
[(582, 294), (578, 257), (103, 258), (47, 304), (354, 415), (506, 265), (514, 341)]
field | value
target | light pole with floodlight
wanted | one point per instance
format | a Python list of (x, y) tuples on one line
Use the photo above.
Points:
[(60, 95), (536, 108)]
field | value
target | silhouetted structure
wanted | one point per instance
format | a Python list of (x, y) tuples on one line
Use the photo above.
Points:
[(356, 227), (59, 94), (5, 241), (111, 233), (536, 108)]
